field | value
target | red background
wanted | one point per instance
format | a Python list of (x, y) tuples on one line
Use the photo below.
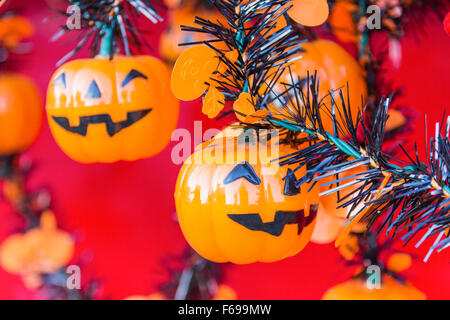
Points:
[(122, 214)]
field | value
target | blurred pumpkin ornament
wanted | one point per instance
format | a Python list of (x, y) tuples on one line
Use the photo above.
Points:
[(364, 251), (112, 107), (342, 22), (184, 14), (40, 250), (13, 29), (20, 112), (233, 204), (332, 214), (225, 292), (309, 13), (391, 289), (335, 70), (153, 296)]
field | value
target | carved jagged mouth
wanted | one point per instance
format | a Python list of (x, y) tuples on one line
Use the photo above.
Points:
[(111, 127), (253, 221)]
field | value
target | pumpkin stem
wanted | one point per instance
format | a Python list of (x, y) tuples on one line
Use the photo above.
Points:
[(106, 45)]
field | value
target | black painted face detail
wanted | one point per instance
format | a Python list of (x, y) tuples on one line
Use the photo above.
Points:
[(253, 221), (61, 80), (111, 127), (93, 91), (133, 74), (290, 187), (243, 170)]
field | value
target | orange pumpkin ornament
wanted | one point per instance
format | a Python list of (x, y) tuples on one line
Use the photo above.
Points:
[(331, 219), (335, 68), (13, 29), (20, 113), (309, 13), (341, 21), (357, 289), (225, 292), (153, 296), (40, 250), (234, 206), (102, 110)]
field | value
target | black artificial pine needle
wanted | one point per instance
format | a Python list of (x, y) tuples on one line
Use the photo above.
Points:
[(116, 18), (416, 196)]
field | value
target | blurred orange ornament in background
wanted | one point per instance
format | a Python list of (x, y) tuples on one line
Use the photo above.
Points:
[(331, 219), (357, 289), (172, 37), (341, 21), (234, 205), (153, 296), (20, 112), (102, 110), (225, 292), (399, 262), (44, 249), (13, 29), (335, 68), (309, 13)]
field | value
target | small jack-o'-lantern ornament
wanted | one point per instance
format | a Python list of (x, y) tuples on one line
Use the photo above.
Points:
[(102, 110), (358, 289), (335, 68), (20, 113), (236, 205), (169, 47)]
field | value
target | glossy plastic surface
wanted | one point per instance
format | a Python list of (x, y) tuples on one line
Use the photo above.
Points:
[(205, 197), (335, 67), (105, 111), (20, 113)]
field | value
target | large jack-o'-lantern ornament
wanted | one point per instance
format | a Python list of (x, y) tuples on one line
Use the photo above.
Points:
[(20, 113), (102, 110), (335, 68), (235, 207)]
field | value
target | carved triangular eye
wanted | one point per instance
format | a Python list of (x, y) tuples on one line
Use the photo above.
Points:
[(93, 91), (61, 80), (133, 74), (290, 187), (243, 170)]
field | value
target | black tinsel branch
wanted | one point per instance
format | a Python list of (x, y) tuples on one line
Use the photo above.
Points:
[(192, 277), (408, 196), (369, 252), (31, 206), (259, 50), (110, 24)]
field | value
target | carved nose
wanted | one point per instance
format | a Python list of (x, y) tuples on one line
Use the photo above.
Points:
[(93, 91)]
